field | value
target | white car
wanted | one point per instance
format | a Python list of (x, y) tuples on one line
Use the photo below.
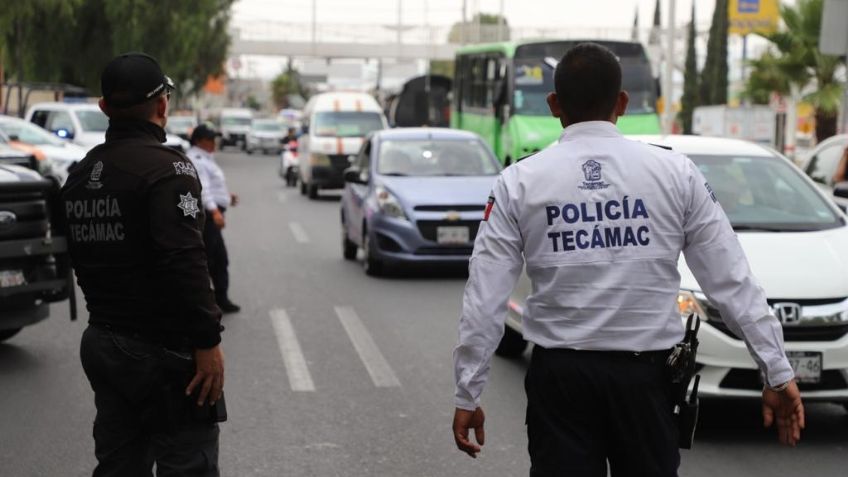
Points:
[(821, 163), (796, 241), (265, 135), (82, 123), (58, 154)]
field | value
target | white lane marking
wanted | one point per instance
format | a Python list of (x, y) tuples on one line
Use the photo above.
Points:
[(298, 372), (282, 197), (299, 233), (377, 366)]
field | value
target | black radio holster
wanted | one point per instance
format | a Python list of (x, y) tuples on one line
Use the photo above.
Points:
[(680, 367)]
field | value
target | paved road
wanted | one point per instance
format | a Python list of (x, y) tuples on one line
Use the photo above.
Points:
[(332, 373)]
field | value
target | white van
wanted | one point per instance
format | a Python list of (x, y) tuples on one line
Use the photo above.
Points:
[(234, 125), (334, 125)]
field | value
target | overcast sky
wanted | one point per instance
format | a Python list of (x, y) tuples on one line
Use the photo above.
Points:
[(540, 13)]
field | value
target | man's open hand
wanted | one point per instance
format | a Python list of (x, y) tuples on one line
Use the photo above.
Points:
[(786, 408), (209, 375), (464, 420)]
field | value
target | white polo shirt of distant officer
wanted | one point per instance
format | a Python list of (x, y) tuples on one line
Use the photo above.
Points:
[(600, 221), (214, 191)]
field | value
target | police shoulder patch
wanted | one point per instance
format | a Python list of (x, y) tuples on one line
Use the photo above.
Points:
[(489, 206), (188, 205), (185, 168)]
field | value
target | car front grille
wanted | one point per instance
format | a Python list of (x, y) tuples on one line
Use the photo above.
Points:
[(31, 215), (428, 228), (750, 380), (448, 208), (445, 251), (794, 332)]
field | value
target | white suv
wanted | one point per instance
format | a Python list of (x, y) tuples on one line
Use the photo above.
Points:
[(82, 123), (795, 239)]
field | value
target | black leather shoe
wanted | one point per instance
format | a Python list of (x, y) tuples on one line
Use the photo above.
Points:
[(228, 307)]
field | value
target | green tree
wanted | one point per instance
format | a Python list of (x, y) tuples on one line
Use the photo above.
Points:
[(71, 41), (285, 85), (713, 89), (487, 32), (690, 79), (797, 63)]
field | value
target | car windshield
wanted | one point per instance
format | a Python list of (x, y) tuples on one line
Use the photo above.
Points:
[(764, 193), (235, 121), (92, 120), (29, 133), (346, 123), (268, 126), (180, 122), (435, 158)]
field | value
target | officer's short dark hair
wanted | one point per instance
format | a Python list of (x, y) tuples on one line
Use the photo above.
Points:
[(139, 112), (587, 82)]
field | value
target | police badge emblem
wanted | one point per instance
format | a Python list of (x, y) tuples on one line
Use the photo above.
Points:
[(94, 179), (592, 174), (188, 205)]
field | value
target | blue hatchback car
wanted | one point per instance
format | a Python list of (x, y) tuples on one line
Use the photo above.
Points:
[(416, 195)]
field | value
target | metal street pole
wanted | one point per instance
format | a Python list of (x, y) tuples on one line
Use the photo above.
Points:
[(501, 21), (314, 23), (668, 92), (400, 24), (464, 26)]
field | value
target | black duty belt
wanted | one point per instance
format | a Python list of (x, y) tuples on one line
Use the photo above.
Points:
[(653, 356), (171, 343)]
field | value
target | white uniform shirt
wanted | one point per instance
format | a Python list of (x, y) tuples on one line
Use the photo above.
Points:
[(600, 221), (214, 193)]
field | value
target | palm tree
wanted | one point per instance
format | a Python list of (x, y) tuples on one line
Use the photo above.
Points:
[(796, 64)]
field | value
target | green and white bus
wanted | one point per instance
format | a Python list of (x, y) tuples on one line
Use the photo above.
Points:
[(500, 89)]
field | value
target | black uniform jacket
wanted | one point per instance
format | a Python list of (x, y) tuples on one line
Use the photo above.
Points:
[(134, 225)]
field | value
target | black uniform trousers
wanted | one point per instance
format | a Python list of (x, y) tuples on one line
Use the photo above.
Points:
[(587, 408), (143, 416), (218, 260)]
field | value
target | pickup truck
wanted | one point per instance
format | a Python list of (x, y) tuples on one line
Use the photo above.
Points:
[(34, 264)]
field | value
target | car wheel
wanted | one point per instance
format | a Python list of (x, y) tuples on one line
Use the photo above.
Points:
[(349, 248), (302, 188), (6, 334), (249, 151), (512, 344), (372, 265), (313, 191)]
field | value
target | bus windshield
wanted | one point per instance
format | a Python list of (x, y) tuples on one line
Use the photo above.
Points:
[(533, 76)]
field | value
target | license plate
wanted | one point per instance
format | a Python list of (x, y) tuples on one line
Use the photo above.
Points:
[(11, 278), (452, 235), (807, 365)]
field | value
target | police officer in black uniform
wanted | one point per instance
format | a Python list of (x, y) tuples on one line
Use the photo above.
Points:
[(152, 348)]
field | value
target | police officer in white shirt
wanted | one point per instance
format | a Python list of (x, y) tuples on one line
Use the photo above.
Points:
[(215, 198), (600, 222)]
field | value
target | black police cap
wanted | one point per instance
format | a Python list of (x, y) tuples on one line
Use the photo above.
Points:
[(131, 79), (202, 131)]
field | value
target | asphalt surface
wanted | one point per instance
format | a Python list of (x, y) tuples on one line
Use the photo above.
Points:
[(366, 385)]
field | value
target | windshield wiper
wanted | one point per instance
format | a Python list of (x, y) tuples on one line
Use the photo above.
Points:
[(395, 174)]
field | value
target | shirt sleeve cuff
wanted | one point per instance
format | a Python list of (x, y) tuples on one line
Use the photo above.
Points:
[(207, 340), (463, 403), (780, 376)]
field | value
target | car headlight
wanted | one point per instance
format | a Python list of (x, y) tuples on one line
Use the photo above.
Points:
[(316, 159), (687, 303), (388, 203)]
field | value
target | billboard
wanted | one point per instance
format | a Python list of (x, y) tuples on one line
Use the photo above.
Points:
[(753, 16)]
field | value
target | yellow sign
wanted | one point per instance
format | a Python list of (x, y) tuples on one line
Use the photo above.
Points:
[(753, 16)]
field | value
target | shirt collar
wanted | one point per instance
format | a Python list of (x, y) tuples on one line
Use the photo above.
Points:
[(128, 128), (589, 129), (196, 151)]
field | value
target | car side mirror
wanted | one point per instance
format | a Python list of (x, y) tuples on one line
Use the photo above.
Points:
[(64, 133), (353, 175), (840, 189)]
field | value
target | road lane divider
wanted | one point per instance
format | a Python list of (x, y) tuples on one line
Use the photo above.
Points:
[(300, 235), (374, 361), (298, 372)]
